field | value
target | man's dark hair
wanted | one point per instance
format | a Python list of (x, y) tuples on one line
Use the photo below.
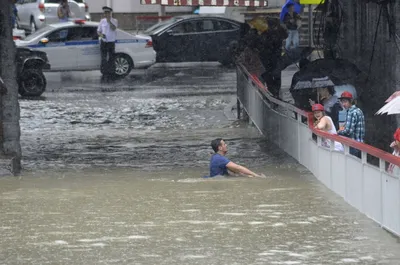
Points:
[(289, 5), (215, 144)]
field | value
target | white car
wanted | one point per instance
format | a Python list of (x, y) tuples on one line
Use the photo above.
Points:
[(18, 34), (75, 46), (36, 14)]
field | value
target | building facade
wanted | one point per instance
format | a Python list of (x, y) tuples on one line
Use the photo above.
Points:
[(370, 40), (129, 12)]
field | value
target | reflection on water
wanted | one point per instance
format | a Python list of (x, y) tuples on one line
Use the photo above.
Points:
[(127, 217)]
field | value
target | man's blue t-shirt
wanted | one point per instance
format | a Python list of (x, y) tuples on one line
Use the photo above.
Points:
[(218, 165)]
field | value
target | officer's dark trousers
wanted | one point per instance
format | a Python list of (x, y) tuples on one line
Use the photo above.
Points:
[(107, 57)]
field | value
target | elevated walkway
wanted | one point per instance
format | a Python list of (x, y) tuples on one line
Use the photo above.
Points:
[(364, 183)]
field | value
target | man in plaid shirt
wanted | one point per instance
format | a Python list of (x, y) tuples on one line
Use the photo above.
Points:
[(355, 123)]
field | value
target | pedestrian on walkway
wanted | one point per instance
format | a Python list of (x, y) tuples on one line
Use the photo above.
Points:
[(107, 31), (298, 8), (325, 123), (63, 11), (219, 164), (326, 96), (292, 21), (270, 47), (354, 127)]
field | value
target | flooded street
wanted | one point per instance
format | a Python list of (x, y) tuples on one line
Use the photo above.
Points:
[(168, 117), (112, 175)]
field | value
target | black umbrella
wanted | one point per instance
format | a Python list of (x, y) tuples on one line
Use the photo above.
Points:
[(304, 87), (291, 57), (339, 69), (314, 83)]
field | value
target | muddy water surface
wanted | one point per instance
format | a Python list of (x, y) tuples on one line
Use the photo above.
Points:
[(113, 176)]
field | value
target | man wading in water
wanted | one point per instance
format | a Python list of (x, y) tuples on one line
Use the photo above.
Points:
[(219, 164)]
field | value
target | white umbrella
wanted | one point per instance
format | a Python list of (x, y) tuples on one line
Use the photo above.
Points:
[(392, 106)]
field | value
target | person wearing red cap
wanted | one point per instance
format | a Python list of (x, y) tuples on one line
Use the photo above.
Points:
[(393, 169), (354, 127), (330, 102), (325, 123)]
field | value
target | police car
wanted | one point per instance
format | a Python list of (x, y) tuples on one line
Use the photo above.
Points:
[(75, 46)]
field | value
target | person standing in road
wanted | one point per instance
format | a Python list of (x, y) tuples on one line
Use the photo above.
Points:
[(63, 11), (219, 164), (292, 21), (354, 127), (107, 31)]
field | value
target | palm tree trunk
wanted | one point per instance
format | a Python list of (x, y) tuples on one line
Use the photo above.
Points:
[(10, 131)]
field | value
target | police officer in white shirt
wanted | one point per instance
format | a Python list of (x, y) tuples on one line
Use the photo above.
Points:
[(107, 31)]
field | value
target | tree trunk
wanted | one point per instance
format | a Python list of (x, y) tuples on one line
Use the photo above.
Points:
[(9, 107)]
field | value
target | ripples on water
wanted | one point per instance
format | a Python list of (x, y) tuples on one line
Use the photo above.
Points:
[(157, 124), (130, 217), (164, 212)]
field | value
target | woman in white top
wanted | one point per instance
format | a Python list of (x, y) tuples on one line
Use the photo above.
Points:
[(325, 123)]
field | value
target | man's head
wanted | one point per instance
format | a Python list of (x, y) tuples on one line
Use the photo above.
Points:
[(346, 99), (219, 146), (107, 11)]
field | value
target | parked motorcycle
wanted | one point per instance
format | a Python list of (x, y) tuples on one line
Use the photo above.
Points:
[(30, 77)]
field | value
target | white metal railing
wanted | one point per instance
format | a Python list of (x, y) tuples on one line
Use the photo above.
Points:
[(367, 187)]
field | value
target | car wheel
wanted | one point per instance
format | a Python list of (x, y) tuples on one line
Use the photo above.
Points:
[(33, 27), (32, 83), (123, 65)]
